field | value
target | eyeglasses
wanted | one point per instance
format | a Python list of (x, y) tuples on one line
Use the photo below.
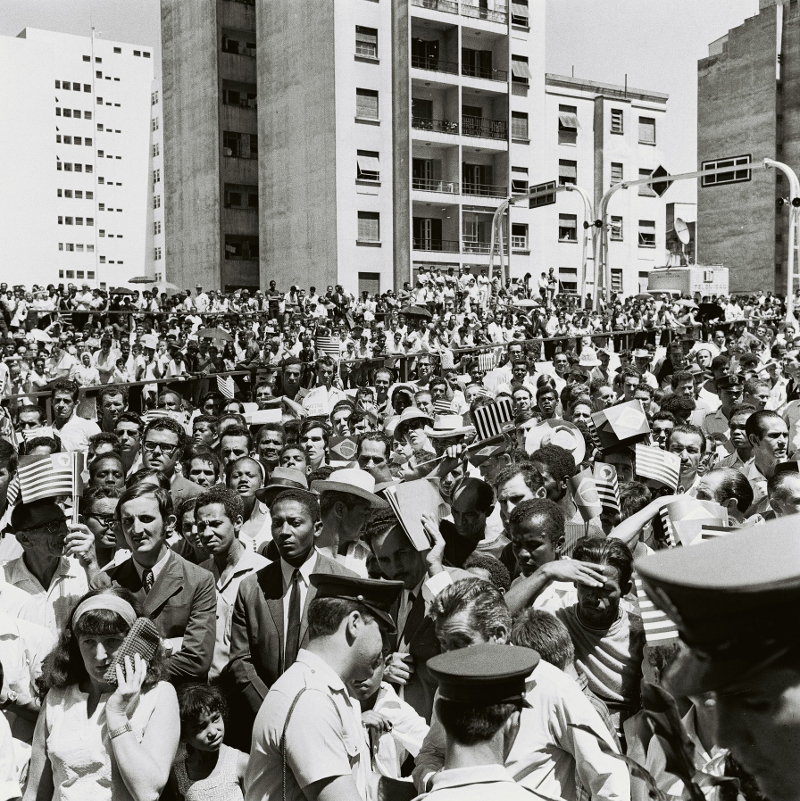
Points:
[(53, 527), (167, 450), (106, 521)]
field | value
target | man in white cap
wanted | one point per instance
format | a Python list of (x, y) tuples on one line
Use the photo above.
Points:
[(347, 501)]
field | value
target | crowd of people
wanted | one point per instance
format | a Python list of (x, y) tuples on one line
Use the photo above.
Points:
[(304, 580)]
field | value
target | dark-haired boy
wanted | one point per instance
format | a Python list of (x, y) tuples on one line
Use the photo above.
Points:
[(269, 622), (218, 517)]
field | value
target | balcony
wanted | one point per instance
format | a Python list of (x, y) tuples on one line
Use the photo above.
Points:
[(484, 190), (241, 103), (434, 185), (487, 73), (438, 126), (488, 14), (488, 129), (434, 64), (438, 245), (447, 6), (476, 247)]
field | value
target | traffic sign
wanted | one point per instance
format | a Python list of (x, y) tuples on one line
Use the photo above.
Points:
[(542, 195), (662, 186)]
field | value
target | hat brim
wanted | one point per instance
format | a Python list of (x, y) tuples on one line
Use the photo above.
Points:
[(455, 432), (268, 494), (349, 489)]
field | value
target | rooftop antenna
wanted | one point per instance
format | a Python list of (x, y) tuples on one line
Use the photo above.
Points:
[(626, 84)]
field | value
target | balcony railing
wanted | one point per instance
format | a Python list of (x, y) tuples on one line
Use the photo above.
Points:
[(242, 103), (487, 73), (484, 190), (490, 14), (434, 64), (440, 245), (489, 129), (440, 126), (448, 6), (476, 247), (434, 185)]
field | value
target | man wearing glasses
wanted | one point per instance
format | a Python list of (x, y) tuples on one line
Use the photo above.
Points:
[(163, 442)]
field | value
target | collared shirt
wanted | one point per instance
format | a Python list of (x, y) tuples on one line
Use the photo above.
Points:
[(477, 783), (49, 607), (323, 736), (157, 567), (355, 558), (287, 571), (227, 589), (75, 433), (257, 529), (758, 481)]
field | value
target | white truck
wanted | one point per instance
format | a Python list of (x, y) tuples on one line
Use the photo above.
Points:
[(677, 281)]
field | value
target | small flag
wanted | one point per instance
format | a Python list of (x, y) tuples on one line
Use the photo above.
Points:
[(41, 431), (226, 386), (328, 345), (662, 466), (491, 420), (486, 361), (658, 628), (663, 529), (688, 515), (605, 478), (12, 493), (621, 423), (442, 406), (584, 492), (342, 450), (46, 476)]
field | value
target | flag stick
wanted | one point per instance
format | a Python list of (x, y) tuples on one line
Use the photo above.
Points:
[(468, 447)]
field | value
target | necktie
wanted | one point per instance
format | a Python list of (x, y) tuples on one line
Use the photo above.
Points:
[(293, 622), (148, 579)]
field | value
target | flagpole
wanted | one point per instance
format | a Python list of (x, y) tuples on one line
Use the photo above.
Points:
[(75, 496)]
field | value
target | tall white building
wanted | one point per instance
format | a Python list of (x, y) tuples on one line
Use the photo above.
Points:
[(75, 159), (597, 135)]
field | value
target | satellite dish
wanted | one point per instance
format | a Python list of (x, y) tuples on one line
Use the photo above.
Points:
[(682, 231)]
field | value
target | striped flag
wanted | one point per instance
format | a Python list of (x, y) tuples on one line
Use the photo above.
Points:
[(667, 532), (605, 478), (486, 360), (46, 476), (328, 345), (658, 628), (442, 406), (662, 466), (41, 431), (492, 420), (226, 386), (12, 493)]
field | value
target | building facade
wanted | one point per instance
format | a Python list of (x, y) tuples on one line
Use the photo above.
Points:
[(598, 135), (74, 147)]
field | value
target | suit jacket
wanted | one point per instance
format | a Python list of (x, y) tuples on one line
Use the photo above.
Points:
[(182, 489), (182, 603), (257, 635)]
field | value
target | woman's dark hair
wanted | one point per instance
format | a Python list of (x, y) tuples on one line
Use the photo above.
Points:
[(197, 703), (64, 665)]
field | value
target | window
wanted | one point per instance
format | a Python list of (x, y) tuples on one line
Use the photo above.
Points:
[(101, 206), (102, 232), (79, 274), (615, 229), (89, 168), (98, 74), (67, 220), (155, 123), (87, 115), (58, 139), (118, 50), (519, 125), (732, 177), (616, 172), (102, 260), (90, 195), (137, 53), (58, 164), (616, 280), (253, 146), (519, 14), (368, 166), (146, 54), (100, 101), (366, 42), (58, 84), (156, 176), (520, 71), (568, 125), (519, 236), (67, 193), (76, 113), (61, 246), (67, 140), (645, 189), (156, 149), (79, 221), (78, 140), (647, 233), (252, 200), (366, 104), (568, 278), (567, 227), (58, 112), (369, 283), (87, 87), (647, 131), (567, 172), (67, 166), (67, 84), (87, 58), (617, 124), (78, 194), (59, 192), (154, 98), (156, 201), (67, 112), (70, 247), (98, 60), (79, 248), (157, 254), (90, 221), (369, 226), (157, 227), (518, 185), (101, 180), (90, 248)]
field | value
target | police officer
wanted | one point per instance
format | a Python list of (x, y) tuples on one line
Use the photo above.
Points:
[(716, 424), (307, 737), (736, 601), (481, 695)]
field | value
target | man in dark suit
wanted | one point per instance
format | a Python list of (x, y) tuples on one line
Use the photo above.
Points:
[(163, 442), (269, 623), (178, 596)]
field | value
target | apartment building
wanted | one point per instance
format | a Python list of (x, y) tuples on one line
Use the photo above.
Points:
[(389, 133), (75, 158), (748, 109), (598, 135), (156, 256)]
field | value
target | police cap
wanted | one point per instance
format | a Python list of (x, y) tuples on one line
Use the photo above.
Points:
[(735, 600), (487, 673), (730, 383), (377, 595)]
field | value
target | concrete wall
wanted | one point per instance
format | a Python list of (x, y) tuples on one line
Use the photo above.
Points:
[(297, 140), (736, 115), (190, 46), (401, 133)]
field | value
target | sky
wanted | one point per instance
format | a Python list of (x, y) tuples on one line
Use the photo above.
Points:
[(657, 44)]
